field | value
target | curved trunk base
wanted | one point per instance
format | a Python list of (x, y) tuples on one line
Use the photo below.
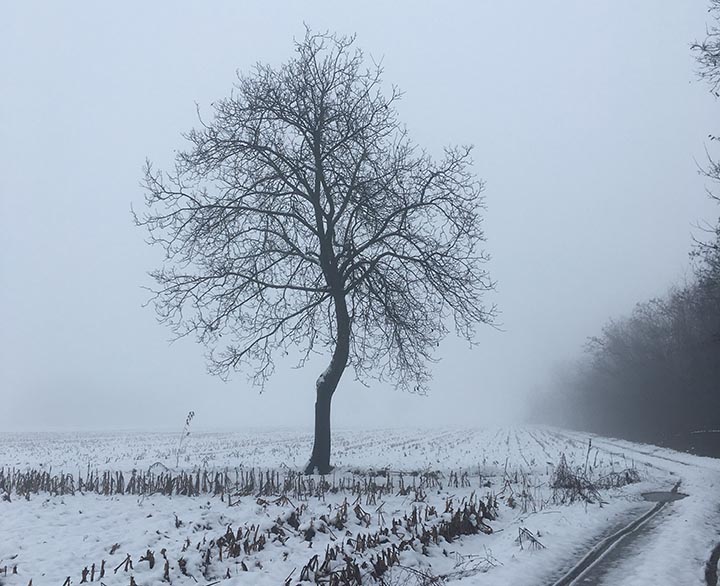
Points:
[(313, 468), (320, 459)]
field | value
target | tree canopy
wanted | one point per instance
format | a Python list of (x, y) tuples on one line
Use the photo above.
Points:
[(302, 216)]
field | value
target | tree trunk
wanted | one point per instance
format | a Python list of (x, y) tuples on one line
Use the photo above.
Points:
[(325, 387), (328, 381), (320, 458)]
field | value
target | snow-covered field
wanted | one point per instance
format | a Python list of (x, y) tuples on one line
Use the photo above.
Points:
[(466, 506)]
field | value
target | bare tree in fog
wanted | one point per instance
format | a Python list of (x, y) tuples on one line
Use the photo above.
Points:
[(303, 218), (707, 53)]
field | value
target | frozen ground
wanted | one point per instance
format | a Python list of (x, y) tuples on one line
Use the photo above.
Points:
[(445, 503)]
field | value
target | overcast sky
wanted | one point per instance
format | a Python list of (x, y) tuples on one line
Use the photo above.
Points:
[(588, 124)]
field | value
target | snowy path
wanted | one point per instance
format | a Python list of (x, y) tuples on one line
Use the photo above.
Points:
[(673, 547), (618, 546)]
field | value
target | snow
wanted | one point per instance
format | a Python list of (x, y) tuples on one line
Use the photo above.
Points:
[(50, 537), (685, 533)]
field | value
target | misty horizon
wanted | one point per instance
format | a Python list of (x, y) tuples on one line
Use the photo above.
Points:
[(589, 125)]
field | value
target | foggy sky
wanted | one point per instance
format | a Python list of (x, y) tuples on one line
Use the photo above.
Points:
[(588, 125)]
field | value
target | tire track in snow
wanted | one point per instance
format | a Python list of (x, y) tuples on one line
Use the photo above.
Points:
[(711, 568), (600, 551), (602, 442), (667, 463), (634, 454)]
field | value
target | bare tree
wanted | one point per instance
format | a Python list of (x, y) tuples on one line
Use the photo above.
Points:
[(707, 54), (302, 217)]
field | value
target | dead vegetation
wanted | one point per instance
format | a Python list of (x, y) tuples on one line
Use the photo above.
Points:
[(369, 544), (228, 484), (366, 555), (575, 484), (358, 554)]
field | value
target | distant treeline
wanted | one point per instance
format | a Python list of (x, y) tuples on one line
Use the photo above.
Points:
[(653, 376)]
